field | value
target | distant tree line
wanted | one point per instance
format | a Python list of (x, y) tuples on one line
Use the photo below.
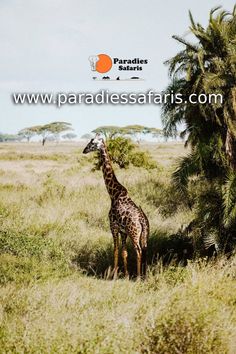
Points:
[(8, 137), (50, 131), (133, 131)]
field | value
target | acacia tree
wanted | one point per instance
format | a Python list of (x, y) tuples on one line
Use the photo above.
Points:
[(27, 133), (156, 133), (54, 128), (87, 136), (69, 136), (108, 131), (136, 131), (133, 131), (207, 67)]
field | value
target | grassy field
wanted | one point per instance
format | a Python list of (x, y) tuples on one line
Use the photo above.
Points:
[(56, 249)]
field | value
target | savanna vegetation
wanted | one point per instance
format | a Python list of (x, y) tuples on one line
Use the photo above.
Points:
[(55, 243), (56, 249)]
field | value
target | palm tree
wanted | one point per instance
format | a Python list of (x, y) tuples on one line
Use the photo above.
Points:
[(207, 67)]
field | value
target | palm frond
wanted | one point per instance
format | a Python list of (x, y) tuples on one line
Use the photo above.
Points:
[(229, 200), (187, 167), (186, 43), (211, 239), (192, 20)]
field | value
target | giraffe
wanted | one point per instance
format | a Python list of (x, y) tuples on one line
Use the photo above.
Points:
[(126, 218)]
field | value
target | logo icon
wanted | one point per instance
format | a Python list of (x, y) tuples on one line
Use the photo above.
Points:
[(101, 63)]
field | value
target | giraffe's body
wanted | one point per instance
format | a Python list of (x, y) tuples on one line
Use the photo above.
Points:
[(126, 218)]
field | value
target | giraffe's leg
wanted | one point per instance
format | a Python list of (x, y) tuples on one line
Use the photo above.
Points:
[(115, 234), (124, 253), (139, 259), (116, 253), (143, 243), (134, 232), (144, 262)]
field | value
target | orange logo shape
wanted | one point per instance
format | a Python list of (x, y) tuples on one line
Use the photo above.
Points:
[(104, 63)]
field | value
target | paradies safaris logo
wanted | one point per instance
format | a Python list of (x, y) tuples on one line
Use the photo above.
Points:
[(102, 63)]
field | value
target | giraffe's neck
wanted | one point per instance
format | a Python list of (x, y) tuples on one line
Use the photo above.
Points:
[(114, 188)]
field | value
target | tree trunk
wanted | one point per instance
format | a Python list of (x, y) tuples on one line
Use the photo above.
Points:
[(43, 141), (230, 147)]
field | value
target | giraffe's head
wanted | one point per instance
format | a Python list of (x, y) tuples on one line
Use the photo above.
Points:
[(95, 144)]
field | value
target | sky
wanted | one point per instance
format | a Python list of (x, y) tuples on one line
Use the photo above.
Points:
[(45, 46)]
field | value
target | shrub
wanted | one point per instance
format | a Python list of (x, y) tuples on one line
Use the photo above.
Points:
[(124, 152)]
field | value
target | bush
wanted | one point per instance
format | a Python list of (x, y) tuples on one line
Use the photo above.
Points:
[(124, 152)]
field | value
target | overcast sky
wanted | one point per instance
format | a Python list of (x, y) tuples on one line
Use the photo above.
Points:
[(45, 46)]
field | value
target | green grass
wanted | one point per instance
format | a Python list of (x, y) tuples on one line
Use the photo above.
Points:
[(56, 250)]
